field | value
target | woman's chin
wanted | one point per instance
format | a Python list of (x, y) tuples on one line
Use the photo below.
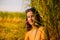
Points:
[(31, 23)]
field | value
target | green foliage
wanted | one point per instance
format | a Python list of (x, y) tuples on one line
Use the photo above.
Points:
[(12, 14)]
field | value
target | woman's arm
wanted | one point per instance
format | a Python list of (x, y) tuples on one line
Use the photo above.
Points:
[(43, 34)]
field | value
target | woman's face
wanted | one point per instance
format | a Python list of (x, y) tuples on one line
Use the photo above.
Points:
[(30, 18)]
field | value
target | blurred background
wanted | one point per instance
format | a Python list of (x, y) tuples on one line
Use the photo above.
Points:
[(12, 18)]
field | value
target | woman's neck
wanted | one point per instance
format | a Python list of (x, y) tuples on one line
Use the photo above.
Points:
[(34, 27)]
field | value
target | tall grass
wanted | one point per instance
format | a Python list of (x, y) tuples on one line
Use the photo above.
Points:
[(49, 11)]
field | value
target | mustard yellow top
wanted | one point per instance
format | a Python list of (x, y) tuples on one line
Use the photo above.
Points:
[(36, 34)]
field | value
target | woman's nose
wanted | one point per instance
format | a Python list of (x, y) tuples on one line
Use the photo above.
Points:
[(30, 17)]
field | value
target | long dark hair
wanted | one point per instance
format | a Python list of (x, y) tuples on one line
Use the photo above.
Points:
[(37, 16)]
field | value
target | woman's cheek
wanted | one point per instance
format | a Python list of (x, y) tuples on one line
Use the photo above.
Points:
[(33, 18), (28, 19)]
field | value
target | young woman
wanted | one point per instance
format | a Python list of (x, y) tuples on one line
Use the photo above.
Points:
[(35, 30)]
